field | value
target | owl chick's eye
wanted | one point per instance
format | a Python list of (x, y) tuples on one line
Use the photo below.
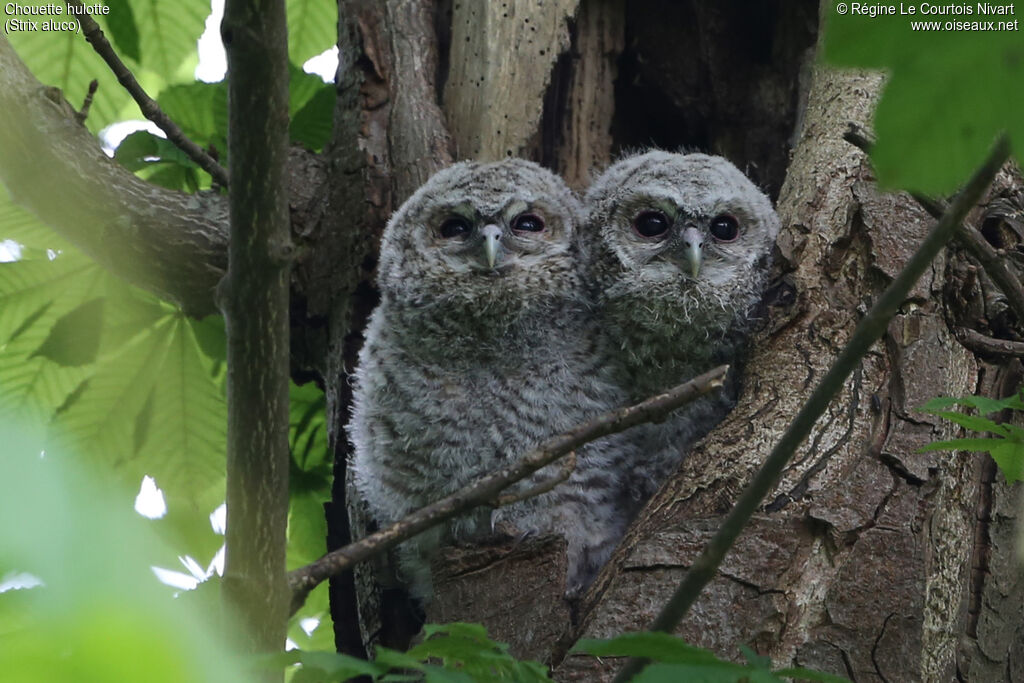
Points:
[(725, 228), (528, 222), (651, 224), (455, 227)]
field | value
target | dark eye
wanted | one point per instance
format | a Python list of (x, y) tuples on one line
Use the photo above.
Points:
[(455, 227), (651, 224), (725, 228), (528, 222)]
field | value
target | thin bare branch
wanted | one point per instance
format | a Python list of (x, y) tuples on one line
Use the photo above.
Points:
[(543, 487), (150, 109), (83, 113), (867, 333), (483, 490)]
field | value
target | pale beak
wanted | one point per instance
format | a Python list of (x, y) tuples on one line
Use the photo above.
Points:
[(492, 243), (693, 244)]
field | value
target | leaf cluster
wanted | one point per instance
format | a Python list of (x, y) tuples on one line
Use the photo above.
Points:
[(96, 613), (449, 653), (948, 95), (1006, 443)]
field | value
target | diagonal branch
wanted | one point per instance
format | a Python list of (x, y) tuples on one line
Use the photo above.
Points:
[(867, 333), (483, 491), (150, 109)]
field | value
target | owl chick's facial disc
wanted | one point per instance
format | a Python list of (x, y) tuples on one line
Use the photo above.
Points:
[(689, 229), (475, 228)]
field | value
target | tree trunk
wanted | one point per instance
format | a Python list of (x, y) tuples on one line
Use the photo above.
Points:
[(254, 299)]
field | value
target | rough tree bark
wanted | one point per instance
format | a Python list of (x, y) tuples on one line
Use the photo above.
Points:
[(871, 560)]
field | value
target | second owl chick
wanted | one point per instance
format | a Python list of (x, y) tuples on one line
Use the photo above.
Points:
[(482, 347), (678, 251)]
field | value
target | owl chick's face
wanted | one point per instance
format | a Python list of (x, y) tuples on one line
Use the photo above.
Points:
[(684, 237), (482, 233)]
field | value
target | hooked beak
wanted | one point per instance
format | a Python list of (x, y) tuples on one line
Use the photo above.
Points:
[(693, 249), (492, 243)]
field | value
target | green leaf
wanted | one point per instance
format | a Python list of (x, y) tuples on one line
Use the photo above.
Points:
[(661, 647), (172, 176), (122, 30), (35, 293), (321, 666), (317, 607), (74, 340), (438, 675), (675, 660), (931, 136), (32, 388), (312, 27), (311, 107), (307, 528), (101, 615), (459, 629), (308, 429), (186, 526), (311, 126), (140, 149), (396, 660), (24, 228), (36, 281), (212, 337), (201, 110), (963, 445), (983, 404), (65, 60), (719, 672), (158, 160), (803, 674), (1009, 456), (755, 660), (466, 650), (183, 445), (168, 32), (978, 424)]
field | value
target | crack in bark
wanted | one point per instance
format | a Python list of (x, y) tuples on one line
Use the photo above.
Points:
[(806, 355), (898, 469), (874, 647), (980, 554), (760, 590), (801, 486), (846, 662)]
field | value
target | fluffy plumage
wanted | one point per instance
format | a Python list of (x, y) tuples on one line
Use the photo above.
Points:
[(483, 346), (677, 249)]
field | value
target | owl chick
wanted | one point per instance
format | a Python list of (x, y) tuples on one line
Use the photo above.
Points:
[(482, 346), (678, 248)]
